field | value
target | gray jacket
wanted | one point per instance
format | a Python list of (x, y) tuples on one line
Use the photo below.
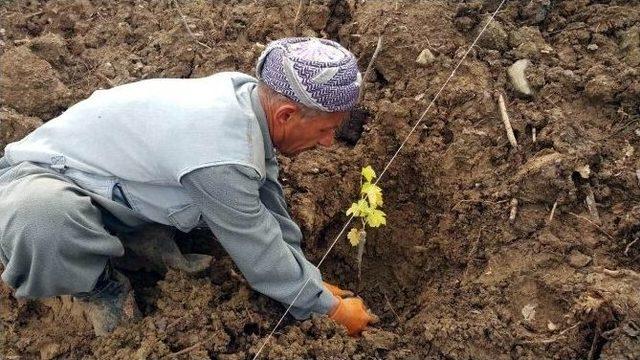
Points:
[(187, 152)]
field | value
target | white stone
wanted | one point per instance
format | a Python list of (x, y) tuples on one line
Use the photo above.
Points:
[(518, 76), (425, 57)]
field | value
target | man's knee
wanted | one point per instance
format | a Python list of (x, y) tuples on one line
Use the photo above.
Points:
[(52, 239), (39, 213), (47, 202)]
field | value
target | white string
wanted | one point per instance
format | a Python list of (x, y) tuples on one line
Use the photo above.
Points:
[(384, 170)]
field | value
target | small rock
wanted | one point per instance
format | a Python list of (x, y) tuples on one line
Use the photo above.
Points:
[(592, 47), (108, 70), (535, 11), (578, 259), (518, 77), (425, 58), (551, 326), (259, 46), (494, 37), (529, 312), (602, 88), (584, 171), (528, 42)]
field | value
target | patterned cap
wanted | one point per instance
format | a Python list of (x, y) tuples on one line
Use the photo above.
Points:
[(317, 73)]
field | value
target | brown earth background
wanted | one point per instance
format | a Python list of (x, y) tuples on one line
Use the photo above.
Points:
[(450, 276)]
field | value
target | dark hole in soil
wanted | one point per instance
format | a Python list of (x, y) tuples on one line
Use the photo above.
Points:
[(528, 130), (351, 130), (251, 328), (516, 133), (447, 135), (144, 285), (577, 179), (380, 78)]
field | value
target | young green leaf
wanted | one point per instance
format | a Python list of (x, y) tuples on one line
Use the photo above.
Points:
[(376, 218), (354, 237), (368, 173), (374, 194), (361, 208)]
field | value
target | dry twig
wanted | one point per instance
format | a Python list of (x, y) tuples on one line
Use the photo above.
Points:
[(591, 205), (552, 339), (594, 224), (296, 19), (506, 122), (473, 249), (514, 209), (626, 250), (621, 273), (186, 25), (187, 350), (553, 211), (373, 59), (390, 306)]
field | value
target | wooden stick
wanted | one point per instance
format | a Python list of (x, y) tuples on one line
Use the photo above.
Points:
[(514, 209), (621, 273), (553, 211), (626, 250), (366, 72), (591, 205), (363, 240), (506, 122), (186, 25), (391, 306), (533, 133)]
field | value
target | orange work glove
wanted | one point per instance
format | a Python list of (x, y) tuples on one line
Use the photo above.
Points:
[(352, 314), (336, 291)]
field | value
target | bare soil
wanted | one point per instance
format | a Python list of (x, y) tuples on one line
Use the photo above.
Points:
[(450, 276)]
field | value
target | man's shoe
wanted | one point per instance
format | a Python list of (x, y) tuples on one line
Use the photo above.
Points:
[(111, 303)]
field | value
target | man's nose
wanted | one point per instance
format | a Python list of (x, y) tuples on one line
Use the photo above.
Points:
[(327, 140)]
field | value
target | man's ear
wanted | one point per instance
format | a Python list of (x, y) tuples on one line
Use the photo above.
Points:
[(283, 113)]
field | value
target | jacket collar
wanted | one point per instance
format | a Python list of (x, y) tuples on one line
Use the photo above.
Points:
[(269, 152)]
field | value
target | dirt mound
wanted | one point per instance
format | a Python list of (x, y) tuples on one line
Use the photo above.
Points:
[(450, 276)]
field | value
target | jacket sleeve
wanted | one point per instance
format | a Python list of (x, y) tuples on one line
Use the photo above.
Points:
[(272, 197), (230, 201)]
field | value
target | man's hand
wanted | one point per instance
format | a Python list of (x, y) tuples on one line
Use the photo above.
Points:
[(336, 291), (352, 314)]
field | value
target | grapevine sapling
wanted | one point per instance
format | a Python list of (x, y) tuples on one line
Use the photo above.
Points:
[(367, 210)]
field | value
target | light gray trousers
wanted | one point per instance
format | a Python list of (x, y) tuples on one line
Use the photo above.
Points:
[(52, 235)]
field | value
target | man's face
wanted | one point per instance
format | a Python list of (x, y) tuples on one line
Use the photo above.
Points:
[(300, 134)]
